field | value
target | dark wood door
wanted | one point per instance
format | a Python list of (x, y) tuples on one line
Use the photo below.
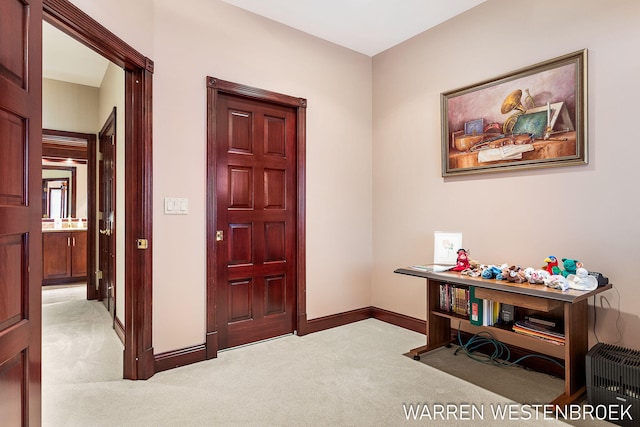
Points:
[(106, 220), (20, 211), (256, 220)]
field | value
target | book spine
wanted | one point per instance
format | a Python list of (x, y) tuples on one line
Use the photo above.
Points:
[(475, 315)]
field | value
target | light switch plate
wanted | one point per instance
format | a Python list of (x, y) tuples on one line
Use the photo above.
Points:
[(176, 206)]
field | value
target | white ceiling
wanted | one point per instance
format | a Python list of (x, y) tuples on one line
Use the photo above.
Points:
[(365, 26), (65, 59)]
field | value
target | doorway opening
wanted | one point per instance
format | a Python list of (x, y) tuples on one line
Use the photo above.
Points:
[(138, 360)]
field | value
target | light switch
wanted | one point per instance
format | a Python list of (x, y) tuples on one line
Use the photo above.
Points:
[(176, 206)]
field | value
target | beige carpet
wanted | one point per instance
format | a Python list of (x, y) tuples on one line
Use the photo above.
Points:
[(355, 375)]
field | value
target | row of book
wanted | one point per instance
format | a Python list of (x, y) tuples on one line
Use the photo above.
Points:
[(454, 299), (461, 300)]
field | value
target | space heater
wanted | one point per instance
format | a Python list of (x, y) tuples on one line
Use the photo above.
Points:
[(613, 378)]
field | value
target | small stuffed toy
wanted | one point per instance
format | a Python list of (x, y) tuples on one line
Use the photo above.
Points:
[(491, 272), (582, 281), (557, 281), (504, 272), (538, 276), (516, 274), (570, 266), (528, 272), (552, 265), (463, 261)]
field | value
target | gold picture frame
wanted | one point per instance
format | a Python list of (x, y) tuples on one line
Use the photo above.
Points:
[(530, 118)]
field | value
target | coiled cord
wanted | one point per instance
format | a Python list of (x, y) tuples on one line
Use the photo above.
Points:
[(501, 353)]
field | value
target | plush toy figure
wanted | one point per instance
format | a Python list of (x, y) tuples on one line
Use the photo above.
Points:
[(582, 281), (552, 265), (491, 272), (528, 272), (570, 266), (557, 281), (463, 261), (516, 274), (538, 276)]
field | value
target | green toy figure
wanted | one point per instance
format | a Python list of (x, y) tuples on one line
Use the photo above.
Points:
[(570, 266)]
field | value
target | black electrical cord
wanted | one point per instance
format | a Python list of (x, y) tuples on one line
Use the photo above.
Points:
[(602, 299)]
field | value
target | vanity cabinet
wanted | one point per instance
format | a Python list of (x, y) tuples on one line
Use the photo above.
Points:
[(64, 256)]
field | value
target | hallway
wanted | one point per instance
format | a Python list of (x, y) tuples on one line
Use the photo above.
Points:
[(78, 343)]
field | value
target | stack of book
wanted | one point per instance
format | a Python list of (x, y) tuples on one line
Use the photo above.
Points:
[(547, 330)]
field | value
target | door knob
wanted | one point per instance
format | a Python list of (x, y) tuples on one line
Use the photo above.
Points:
[(106, 232)]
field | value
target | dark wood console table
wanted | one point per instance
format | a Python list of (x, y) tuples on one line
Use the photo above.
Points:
[(571, 304)]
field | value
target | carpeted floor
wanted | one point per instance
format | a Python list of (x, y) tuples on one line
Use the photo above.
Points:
[(354, 375)]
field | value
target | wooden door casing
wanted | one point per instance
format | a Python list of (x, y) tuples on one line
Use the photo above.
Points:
[(20, 211), (255, 193)]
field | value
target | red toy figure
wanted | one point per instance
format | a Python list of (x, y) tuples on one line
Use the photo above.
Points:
[(463, 261), (552, 265)]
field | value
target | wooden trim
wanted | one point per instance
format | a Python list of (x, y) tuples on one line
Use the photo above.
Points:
[(211, 344), (216, 86), (69, 19), (335, 320), (88, 155), (63, 281), (176, 358), (138, 349), (57, 153), (139, 220), (198, 353), (119, 328), (400, 320)]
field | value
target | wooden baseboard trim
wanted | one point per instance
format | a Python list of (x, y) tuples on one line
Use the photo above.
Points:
[(182, 357), (201, 352), (334, 320), (400, 320), (119, 328), (211, 345)]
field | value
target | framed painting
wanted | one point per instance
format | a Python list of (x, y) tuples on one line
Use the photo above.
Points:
[(530, 118)]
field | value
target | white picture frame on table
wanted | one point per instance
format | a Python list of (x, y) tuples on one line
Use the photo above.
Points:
[(445, 247)]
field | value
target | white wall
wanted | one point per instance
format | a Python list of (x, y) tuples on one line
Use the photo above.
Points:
[(211, 38), (199, 38), (589, 213), (580, 215), (69, 107)]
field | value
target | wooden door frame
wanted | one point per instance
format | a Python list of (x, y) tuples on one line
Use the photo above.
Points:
[(138, 346), (215, 87)]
